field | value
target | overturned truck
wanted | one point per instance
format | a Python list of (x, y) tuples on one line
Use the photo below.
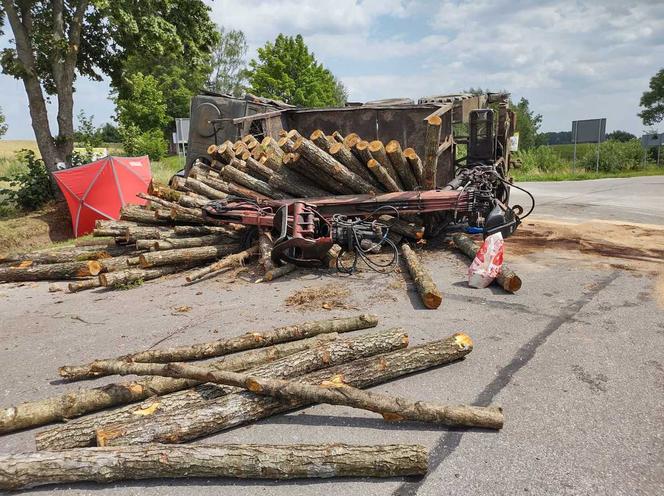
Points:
[(460, 156)]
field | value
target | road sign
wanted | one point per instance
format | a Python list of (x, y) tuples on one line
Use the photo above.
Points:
[(589, 131)]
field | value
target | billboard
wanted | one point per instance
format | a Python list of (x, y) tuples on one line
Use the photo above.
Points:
[(652, 140), (589, 131)]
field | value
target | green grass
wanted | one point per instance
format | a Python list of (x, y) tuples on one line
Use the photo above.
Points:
[(566, 152), (568, 174), (163, 169)]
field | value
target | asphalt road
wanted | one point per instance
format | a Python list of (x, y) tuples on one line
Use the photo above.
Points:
[(576, 359)]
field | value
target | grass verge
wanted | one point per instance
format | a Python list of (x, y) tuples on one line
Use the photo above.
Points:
[(581, 175)]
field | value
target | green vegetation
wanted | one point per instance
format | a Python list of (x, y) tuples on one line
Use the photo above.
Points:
[(228, 63), (164, 169), (3, 124), (287, 71), (29, 187), (653, 101)]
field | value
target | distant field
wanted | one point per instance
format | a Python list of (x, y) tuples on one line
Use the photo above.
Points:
[(566, 152), (9, 147)]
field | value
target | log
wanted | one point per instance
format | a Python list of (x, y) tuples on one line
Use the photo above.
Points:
[(189, 201), (343, 154), (427, 289), (413, 231), (361, 150), (246, 407), (287, 181), (238, 461), (230, 173), (237, 259), (225, 151), (132, 233), (162, 191), (81, 432), (430, 162), (270, 143), (319, 138), (193, 242), (217, 184), (331, 166), (259, 170), (337, 136), (315, 175), (392, 408), (248, 341), (272, 160), (145, 244), (140, 215), (400, 164), (67, 254), (351, 140), (506, 278), (87, 400), (205, 190), (415, 164), (53, 272), (382, 175), (115, 263), (202, 230), (238, 190), (95, 241), (377, 151), (130, 276), (278, 272), (265, 250), (185, 255), (83, 285), (155, 201)]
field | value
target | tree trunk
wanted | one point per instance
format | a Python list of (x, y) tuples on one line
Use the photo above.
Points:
[(133, 233), (129, 276), (265, 247), (431, 140), (81, 432), (230, 173), (239, 461), (114, 264), (141, 215), (185, 255), (506, 278), (248, 341), (258, 170), (377, 151), (98, 241), (431, 296), (383, 176), (294, 184), (319, 138), (398, 160), (331, 166), (202, 230), (245, 407), (278, 272), (234, 260), (205, 190), (361, 150), (55, 271), (351, 140), (194, 242), (162, 191), (299, 165), (343, 154), (68, 254), (415, 164), (334, 392), (402, 227), (83, 285), (83, 401)]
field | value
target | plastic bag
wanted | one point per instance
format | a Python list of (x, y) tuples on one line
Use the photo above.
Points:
[(487, 263)]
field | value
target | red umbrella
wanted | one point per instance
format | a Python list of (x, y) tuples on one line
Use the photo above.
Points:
[(99, 190)]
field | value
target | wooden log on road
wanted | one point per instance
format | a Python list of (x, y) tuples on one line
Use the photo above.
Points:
[(237, 461), (265, 250), (429, 292), (278, 272), (430, 162), (400, 164), (392, 408), (87, 400), (248, 341), (81, 432), (331, 166), (383, 176), (185, 255), (75, 287), (50, 272), (235, 260), (506, 278), (133, 275), (245, 407)]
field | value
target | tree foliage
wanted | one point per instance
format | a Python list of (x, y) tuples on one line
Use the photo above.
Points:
[(143, 104), (57, 41), (527, 124), (3, 124), (287, 71), (622, 136), (228, 63), (653, 101)]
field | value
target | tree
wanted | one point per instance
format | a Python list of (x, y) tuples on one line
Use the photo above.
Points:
[(287, 71), (56, 41), (3, 124), (527, 124), (228, 63), (653, 101), (622, 136)]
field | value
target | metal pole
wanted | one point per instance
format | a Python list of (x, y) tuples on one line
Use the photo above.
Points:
[(574, 159), (599, 137)]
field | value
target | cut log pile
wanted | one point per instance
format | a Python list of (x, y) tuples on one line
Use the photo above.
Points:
[(251, 376)]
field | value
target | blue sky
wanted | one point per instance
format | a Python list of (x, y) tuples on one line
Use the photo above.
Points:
[(573, 59)]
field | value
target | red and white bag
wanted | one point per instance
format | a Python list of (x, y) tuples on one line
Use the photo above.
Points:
[(487, 263)]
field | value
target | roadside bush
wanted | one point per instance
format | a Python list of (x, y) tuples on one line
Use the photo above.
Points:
[(136, 143), (541, 158), (614, 156), (30, 188)]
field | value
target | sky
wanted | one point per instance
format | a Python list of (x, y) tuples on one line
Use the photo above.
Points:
[(572, 59)]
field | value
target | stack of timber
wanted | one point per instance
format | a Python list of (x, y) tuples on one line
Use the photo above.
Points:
[(120, 431)]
